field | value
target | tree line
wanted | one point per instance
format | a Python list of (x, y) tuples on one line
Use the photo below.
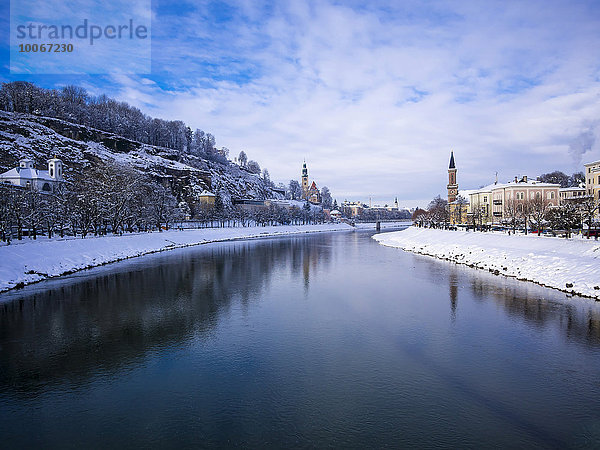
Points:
[(113, 199), (74, 104)]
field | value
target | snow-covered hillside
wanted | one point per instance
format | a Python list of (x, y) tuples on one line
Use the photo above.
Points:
[(39, 138)]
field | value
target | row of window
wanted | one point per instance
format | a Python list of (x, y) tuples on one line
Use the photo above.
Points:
[(591, 180)]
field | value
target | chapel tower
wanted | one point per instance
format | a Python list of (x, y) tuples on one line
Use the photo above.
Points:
[(304, 179)]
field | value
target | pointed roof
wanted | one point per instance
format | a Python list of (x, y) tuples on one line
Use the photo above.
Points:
[(313, 185), (451, 166)]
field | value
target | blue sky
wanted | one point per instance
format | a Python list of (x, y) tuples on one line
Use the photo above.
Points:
[(375, 94)]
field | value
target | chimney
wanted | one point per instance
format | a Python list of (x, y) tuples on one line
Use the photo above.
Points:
[(516, 179), (524, 180)]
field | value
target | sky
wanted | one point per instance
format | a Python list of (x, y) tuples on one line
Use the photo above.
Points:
[(373, 95)]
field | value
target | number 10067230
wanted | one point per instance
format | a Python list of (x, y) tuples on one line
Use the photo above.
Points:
[(45, 48)]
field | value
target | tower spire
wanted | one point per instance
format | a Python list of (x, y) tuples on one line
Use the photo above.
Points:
[(452, 184)]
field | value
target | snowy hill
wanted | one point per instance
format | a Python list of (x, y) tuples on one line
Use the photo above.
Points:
[(40, 138)]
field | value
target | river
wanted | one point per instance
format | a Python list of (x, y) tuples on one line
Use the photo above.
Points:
[(318, 340)]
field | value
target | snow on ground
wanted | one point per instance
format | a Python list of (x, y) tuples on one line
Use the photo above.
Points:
[(28, 261), (569, 265), (372, 225)]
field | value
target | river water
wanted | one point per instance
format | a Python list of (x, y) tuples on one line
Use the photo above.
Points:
[(319, 340)]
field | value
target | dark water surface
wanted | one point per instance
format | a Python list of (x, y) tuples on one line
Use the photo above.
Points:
[(321, 340)]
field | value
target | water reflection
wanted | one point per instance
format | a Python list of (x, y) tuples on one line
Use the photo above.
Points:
[(104, 321), (577, 318)]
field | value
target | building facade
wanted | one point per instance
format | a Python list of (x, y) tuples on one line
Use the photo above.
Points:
[(521, 190), (592, 182), (480, 205), (570, 194), (28, 177)]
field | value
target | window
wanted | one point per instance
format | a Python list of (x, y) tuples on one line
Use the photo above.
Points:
[(537, 195), (46, 187), (551, 194), (485, 199), (51, 171)]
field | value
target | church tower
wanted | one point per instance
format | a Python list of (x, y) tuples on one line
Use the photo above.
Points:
[(304, 179), (452, 185)]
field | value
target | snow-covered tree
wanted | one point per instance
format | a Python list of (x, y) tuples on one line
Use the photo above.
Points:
[(243, 159), (326, 197), (253, 167), (295, 190)]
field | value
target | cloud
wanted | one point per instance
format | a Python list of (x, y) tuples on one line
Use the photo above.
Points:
[(584, 142), (376, 95)]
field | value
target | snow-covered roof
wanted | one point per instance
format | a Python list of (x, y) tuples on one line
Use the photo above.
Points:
[(529, 183), (27, 174), (491, 187), (466, 192), (572, 188), (481, 190), (206, 193), (335, 211)]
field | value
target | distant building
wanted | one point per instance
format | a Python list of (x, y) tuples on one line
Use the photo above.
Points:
[(335, 214), (28, 177), (310, 191), (249, 204), (574, 193), (386, 207), (206, 198), (352, 209)]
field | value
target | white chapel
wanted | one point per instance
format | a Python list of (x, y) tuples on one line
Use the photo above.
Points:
[(28, 177)]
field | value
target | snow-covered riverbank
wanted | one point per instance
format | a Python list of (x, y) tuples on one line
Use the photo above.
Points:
[(569, 265), (384, 225), (25, 262)]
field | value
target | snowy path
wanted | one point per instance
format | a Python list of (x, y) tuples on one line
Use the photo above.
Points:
[(30, 261), (569, 265)]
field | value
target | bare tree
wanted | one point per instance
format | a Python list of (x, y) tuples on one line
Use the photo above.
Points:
[(538, 209), (458, 208), (438, 211), (512, 213), (476, 215), (565, 217), (588, 208)]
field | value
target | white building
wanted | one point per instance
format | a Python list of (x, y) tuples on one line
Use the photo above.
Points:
[(571, 193), (28, 177)]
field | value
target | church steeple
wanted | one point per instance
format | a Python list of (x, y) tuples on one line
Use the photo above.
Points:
[(304, 179), (452, 184)]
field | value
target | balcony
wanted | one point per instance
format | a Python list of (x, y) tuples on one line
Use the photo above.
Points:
[(497, 202)]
